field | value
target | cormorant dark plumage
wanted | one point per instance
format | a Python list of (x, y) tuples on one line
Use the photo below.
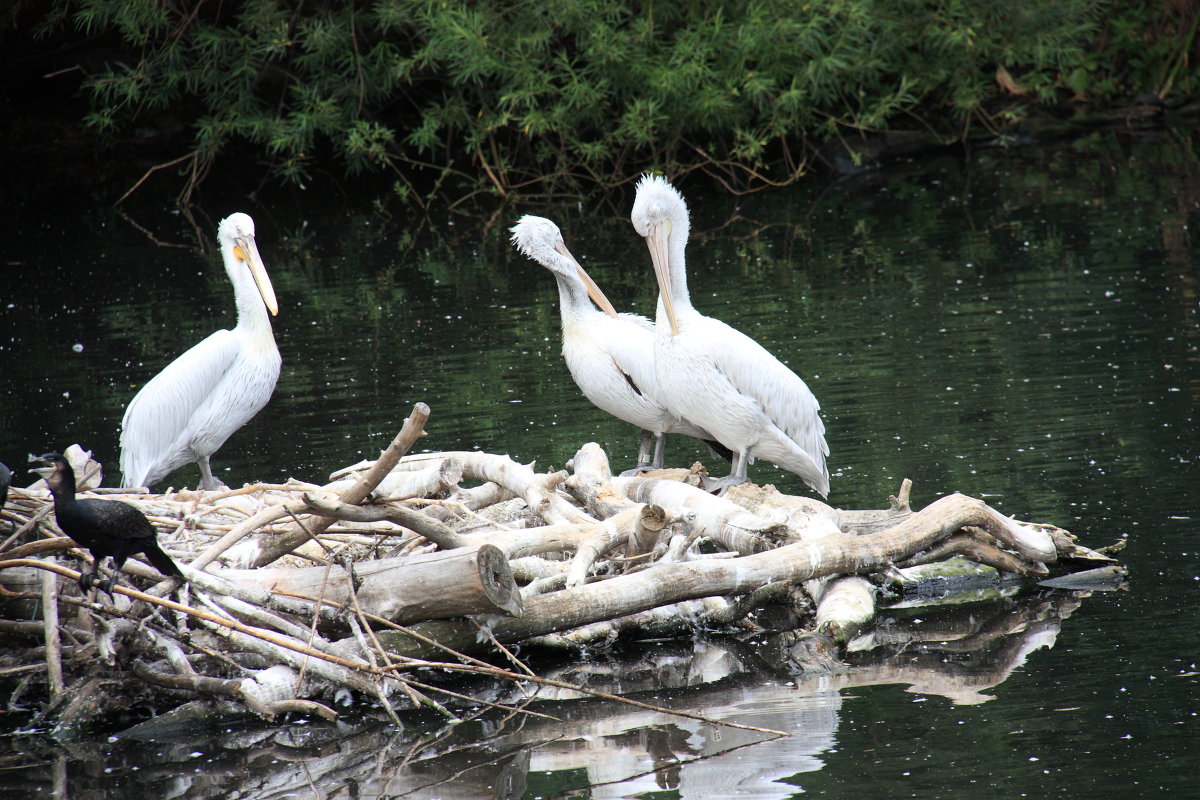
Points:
[(108, 528), (5, 480)]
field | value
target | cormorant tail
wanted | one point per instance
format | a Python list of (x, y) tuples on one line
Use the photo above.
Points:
[(162, 562)]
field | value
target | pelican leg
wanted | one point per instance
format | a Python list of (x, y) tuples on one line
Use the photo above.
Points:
[(207, 482), (659, 449), (644, 462)]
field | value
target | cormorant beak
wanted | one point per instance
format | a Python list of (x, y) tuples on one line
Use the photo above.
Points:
[(592, 289), (656, 240), (45, 470), (246, 251)]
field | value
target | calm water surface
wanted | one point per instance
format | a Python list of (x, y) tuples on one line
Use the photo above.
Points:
[(1017, 325)]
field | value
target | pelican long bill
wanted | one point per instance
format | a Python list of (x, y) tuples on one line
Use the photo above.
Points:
[(247, 251), (593, 290), (657, 241)]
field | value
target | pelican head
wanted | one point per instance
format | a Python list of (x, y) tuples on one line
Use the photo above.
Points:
[(660, 216), (236, 236), (540, 239)]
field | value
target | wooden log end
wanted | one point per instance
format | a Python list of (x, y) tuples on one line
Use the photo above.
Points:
[(653, 517), (443, 584), (497, 580)]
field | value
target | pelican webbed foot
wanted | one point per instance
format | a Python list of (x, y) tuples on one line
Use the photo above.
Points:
[(719, 486)]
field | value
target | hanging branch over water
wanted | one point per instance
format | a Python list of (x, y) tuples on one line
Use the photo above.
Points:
[(298, 592)]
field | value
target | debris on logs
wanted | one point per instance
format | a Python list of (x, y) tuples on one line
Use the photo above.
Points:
[(299, 597)]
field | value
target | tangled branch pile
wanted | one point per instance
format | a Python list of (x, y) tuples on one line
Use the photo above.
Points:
[(367, 599)]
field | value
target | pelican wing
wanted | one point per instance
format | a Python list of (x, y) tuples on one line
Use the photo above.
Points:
[(612, 362), (783, 395), (629, 340), (153, 429)]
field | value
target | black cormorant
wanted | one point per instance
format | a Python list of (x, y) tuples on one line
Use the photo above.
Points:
[(5, 480), (105, 527)]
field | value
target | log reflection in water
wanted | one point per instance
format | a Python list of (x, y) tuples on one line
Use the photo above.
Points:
[(609, 749)]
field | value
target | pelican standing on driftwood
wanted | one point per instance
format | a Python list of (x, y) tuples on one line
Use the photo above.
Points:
[(187, 411), (610, 355), (715, 375)]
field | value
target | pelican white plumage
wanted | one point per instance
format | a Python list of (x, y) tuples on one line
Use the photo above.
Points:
[(715, 375), (610, 355), (187, 411)]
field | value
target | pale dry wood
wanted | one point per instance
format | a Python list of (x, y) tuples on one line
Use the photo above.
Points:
[(592, 487), (724, 522), (770, 543), (803, 517), (466, 580), (605, 537), (538, 491), (657, 622), (845, 607), (433, 530), (671, 583), (463, 503), (239, 532), (281, 545), (404, 484), (590, 483), (973, 545), (54, 668), (563, 537)]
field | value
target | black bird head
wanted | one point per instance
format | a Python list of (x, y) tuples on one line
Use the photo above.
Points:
[(54, 468)]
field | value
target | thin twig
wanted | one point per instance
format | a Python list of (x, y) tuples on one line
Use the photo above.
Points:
[(146, 175), (313, 628), (231, 624)]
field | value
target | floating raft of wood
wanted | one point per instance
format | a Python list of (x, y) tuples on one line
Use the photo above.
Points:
[(299, 594)]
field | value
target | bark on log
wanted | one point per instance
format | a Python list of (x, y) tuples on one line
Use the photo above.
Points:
[(664, 584), (726, 523), (452, 583), (845, 607)]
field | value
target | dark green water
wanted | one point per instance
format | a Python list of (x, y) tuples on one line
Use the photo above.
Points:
[(1019, 325)]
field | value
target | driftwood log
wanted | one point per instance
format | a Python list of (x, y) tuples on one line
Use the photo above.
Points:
[(299, 594)]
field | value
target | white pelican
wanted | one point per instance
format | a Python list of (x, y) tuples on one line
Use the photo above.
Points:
[(187, 411), (716, 376), (610, 355)]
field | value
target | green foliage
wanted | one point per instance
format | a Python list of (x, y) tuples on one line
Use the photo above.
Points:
[(565, 95)]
